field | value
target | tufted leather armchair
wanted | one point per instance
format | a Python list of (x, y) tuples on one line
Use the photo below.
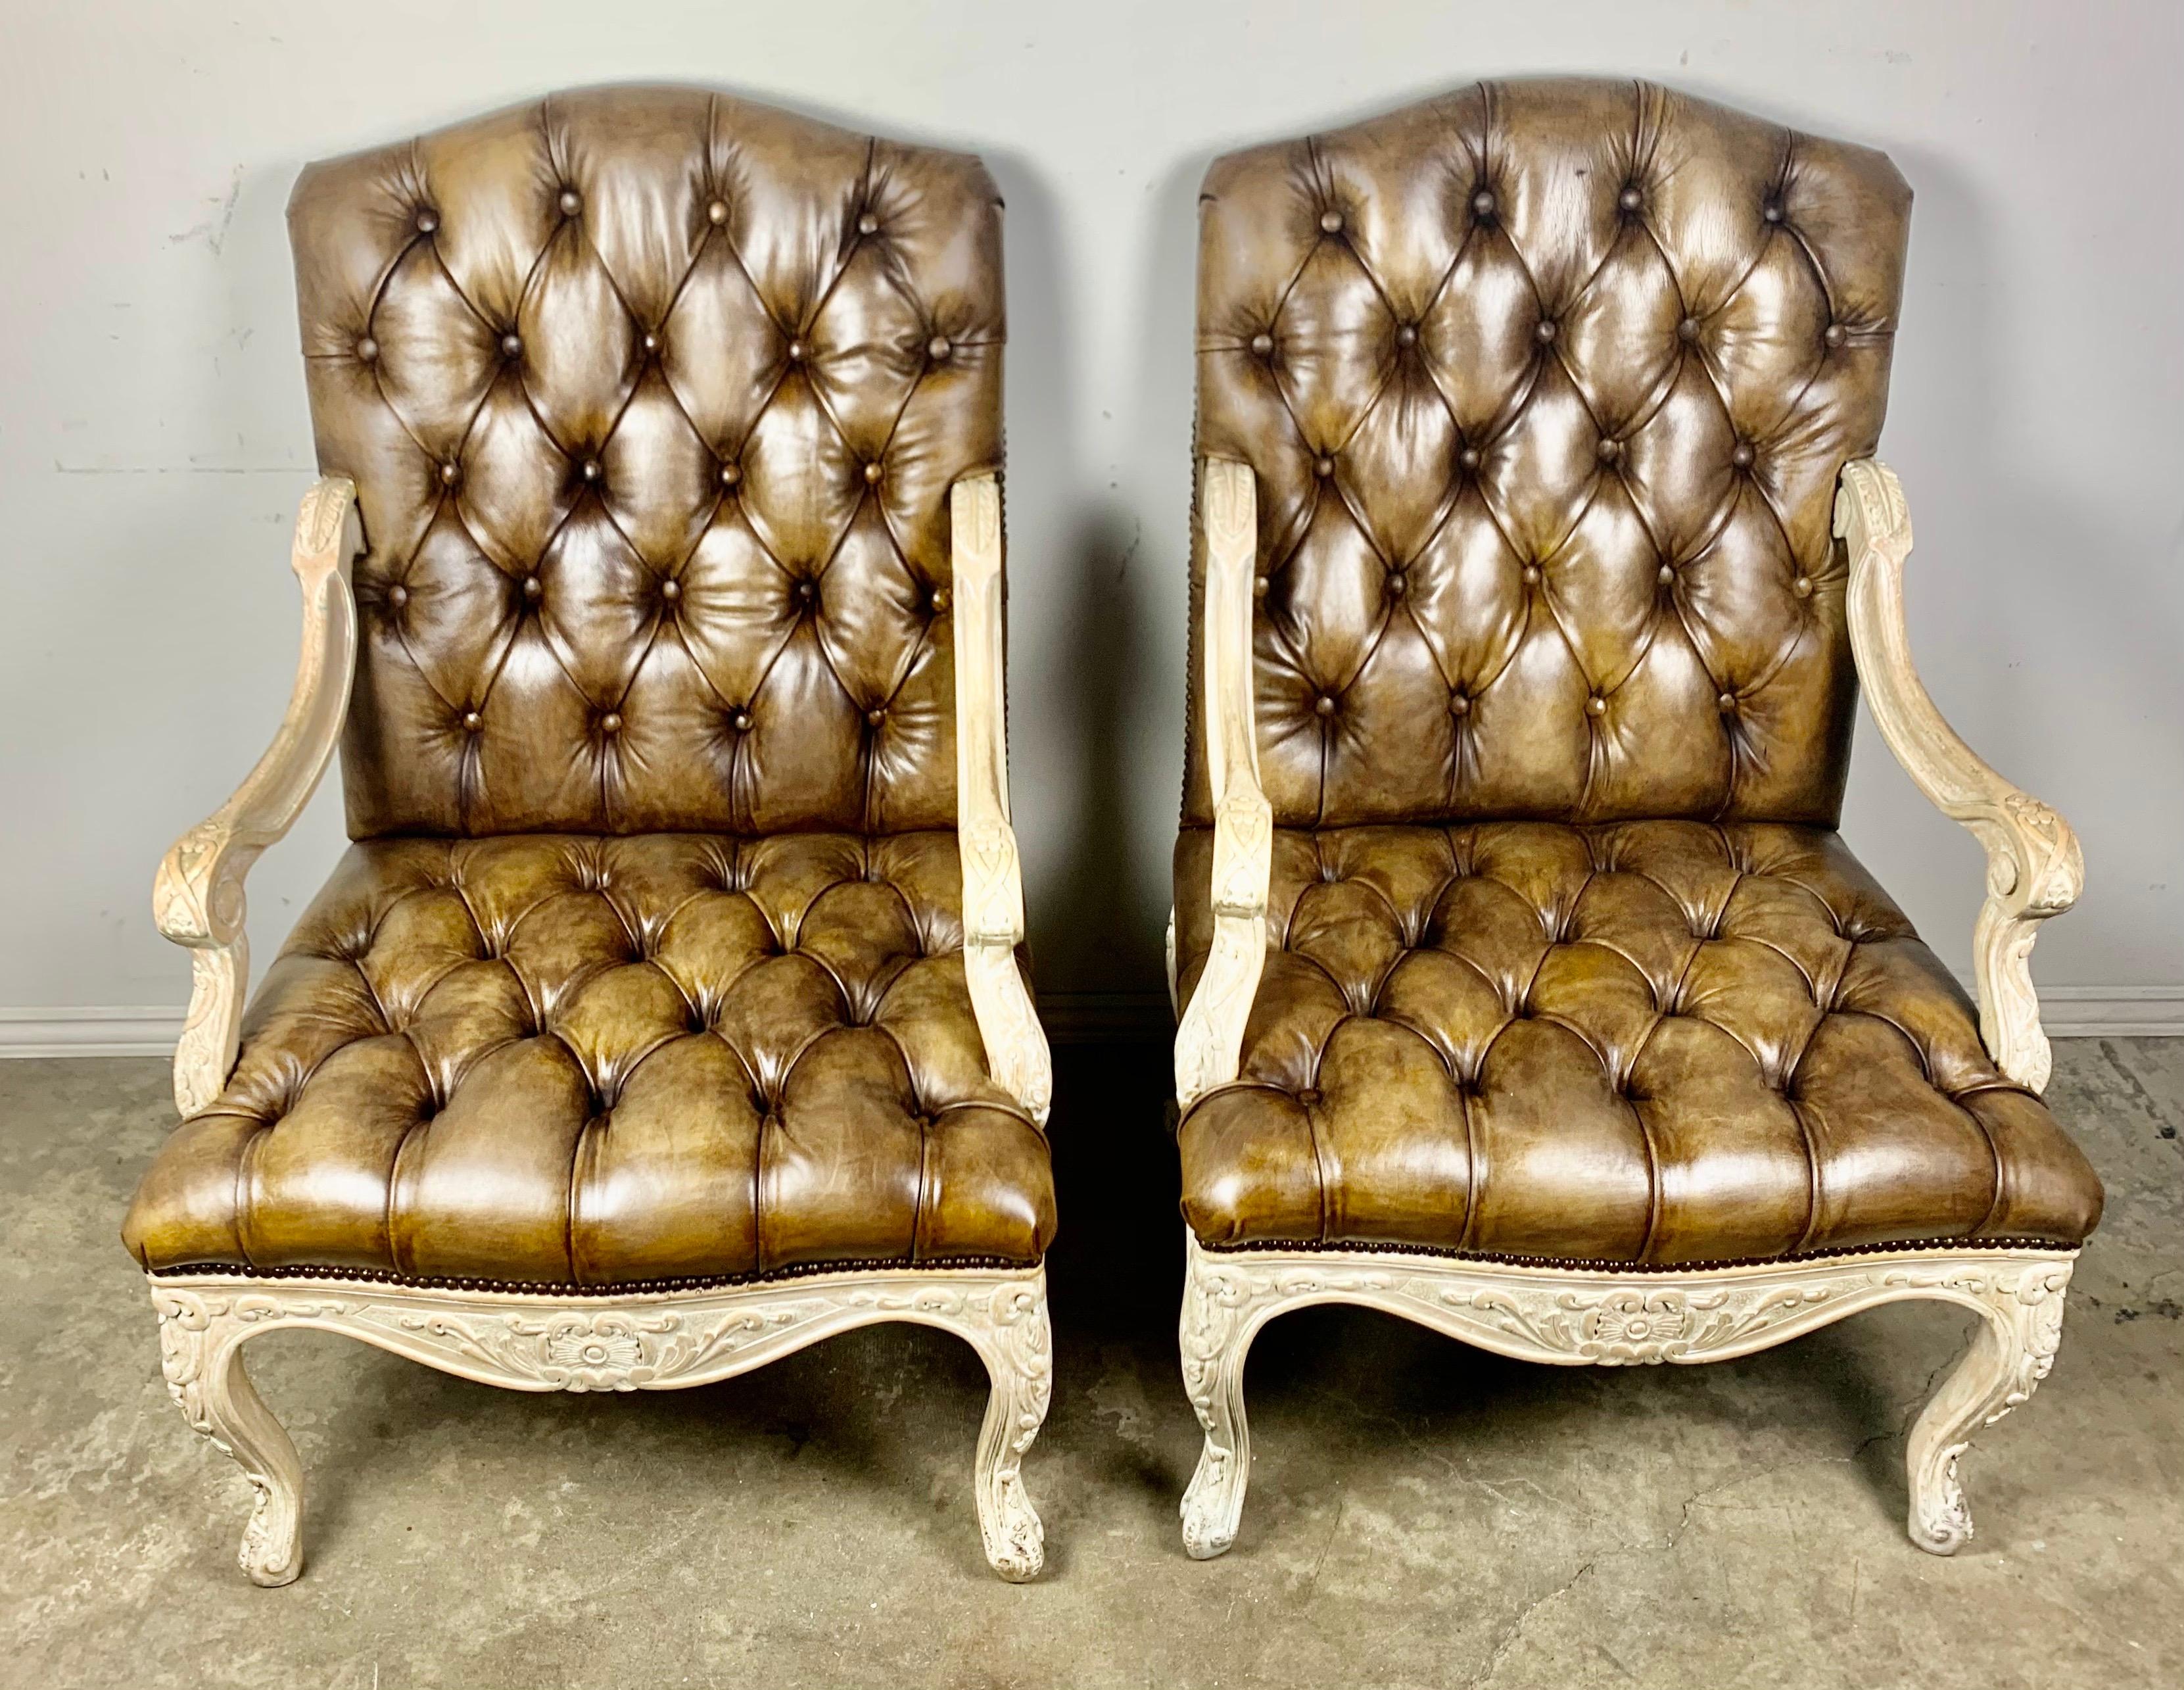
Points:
[(665, 1014), (1527, 987)]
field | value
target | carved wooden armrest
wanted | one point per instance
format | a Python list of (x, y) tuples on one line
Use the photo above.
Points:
[(1209, 1043), (2034, 869), (196, 899), (992, 878)]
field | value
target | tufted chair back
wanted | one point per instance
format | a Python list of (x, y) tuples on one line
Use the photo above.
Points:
[(653, 399), (1545, 386)]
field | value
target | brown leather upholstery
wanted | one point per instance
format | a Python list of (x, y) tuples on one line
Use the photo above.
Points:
[(1545, 387), (653, 399), (548, 1058), (1643, 1041), (648, 965)]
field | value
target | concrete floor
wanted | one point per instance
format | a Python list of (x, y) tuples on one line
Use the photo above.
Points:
[(1420, 1513)]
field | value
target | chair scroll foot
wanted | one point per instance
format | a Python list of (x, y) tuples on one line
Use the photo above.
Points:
[(1215, 1333), (1017, 1344), (2010, 1354), (201, 1354)]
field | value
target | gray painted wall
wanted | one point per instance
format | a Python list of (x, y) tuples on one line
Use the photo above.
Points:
[(153, 438)]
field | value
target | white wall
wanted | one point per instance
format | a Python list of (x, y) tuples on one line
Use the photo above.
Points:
[(154, 438)]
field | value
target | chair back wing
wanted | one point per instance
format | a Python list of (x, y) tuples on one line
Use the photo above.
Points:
[(653, 399), (1545, 386)]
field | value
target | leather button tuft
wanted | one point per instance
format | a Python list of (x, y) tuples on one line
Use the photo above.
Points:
[(1802, 587), (670, 589), (511, 343), (1596, 706), (1772, 211), (1742, 454), (590, 469), (572, 204), (1263, 345), (1546, 331), (1469, 458), (1688, 329), (610, 723), (1325, 706), (1458, 704), (534, 589), (450, 473), (1397, 581), (367, 349), (1408, 335), (428, 221), (1259, 586), (872, 475), (651, 342), (867, 223), (1609, 450), (1531, 575), (1665, 576), (1726, 703), (939, 347), (1331, 222), (1837, 334), (1631, 198), (796, 352), (1482, 204), (717, 213), (1309, 1096), (940, 600), (741, 720), (472, 722), (875, 716), (1322, 467), (730, 474), (398, 596), (806, 591)]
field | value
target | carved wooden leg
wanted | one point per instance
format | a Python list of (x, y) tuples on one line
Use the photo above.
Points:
[(2011, 1353), (201, 1353), (1219, 1320), (1017, 1347)]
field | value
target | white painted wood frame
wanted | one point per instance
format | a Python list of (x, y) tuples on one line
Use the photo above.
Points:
[(640, 1340), (1573, 1316)]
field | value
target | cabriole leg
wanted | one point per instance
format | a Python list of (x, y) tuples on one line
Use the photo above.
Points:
[(201, 1353), (2010, 1354), (1215, 1333), (1017, 1347)]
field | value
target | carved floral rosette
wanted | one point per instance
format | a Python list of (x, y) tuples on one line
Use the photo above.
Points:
[(662, 1339), (1563, 1315), (645, 1341), (1604, 1318)]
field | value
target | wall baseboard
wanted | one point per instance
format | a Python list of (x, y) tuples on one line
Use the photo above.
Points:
[(1071, 1018), (102, 1030), (2112, 1011)]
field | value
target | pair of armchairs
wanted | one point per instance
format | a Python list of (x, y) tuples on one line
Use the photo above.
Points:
[(667, 1013)]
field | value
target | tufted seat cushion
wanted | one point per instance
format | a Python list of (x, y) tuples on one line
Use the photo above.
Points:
[(572, 1060), (1650, 1041)]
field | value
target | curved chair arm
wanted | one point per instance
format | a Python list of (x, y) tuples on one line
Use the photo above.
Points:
[(1209, 1043), (196, 899), (2034, 869), (993, 877)]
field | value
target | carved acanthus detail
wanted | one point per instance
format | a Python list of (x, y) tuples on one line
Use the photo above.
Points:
[(656, 1340), (993, 877), (1209, 1043), (2034, 869), (198, 895), (1576, 1316)]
